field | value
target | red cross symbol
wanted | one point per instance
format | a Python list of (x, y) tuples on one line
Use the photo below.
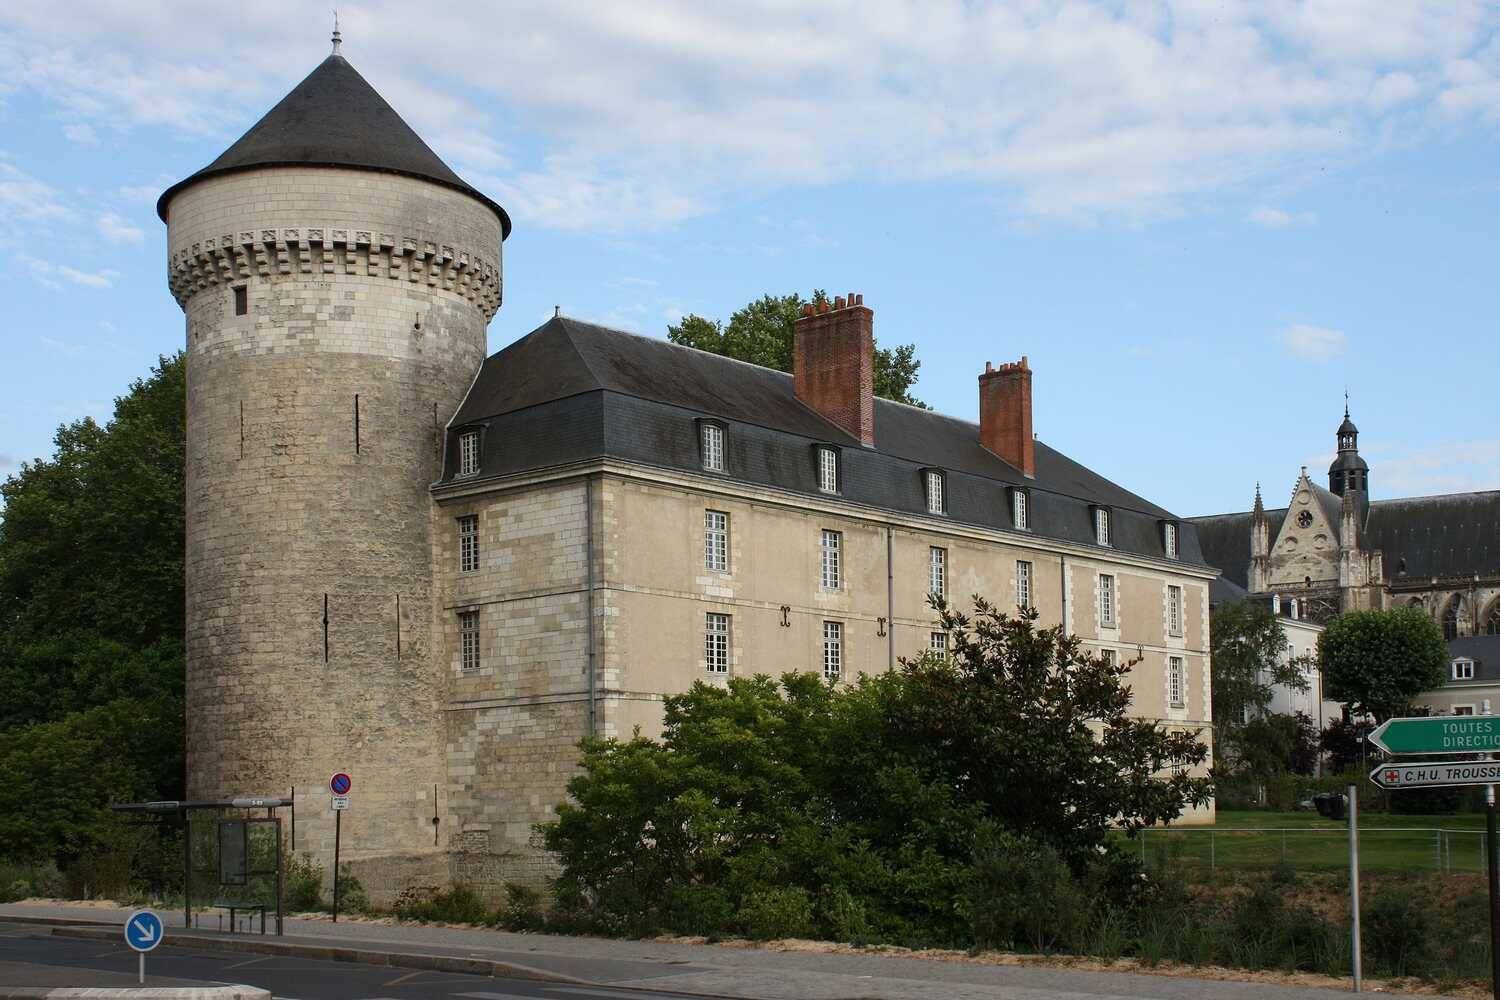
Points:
[(1393, 776)]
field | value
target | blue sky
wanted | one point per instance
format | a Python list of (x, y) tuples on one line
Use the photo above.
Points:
[(1200, 221)]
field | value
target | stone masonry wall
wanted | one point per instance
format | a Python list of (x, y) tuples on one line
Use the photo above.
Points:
[(314, 428)]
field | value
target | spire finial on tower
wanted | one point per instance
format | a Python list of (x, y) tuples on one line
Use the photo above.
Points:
[(337, 38), (1346, 404)]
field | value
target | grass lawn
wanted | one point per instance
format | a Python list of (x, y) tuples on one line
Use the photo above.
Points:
[(1387, 843)]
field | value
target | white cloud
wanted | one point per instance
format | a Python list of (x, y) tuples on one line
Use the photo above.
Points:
[(27, 199), (81, 133), (61, 347), (115, 229), (52, 275), (1312, 343), (1444, 467), (616, 117), (1276, 218)]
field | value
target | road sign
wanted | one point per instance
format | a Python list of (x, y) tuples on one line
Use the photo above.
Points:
[(340, 802), (143, 930), (1439, 734), (340, 783), (1437, 774)]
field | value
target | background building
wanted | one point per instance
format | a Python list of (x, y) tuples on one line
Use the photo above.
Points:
[(438, 572)]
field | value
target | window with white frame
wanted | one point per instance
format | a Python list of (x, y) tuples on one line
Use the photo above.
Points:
[(1108, 656), (716, 541), (833, 650), (1019, 515), (716, 643), (938, 643), (468, 453), (833, 544), (1174, 610), (1106, 601), (934, 492), (468, 635), (712, 447), (1101, 526), (1463, 669), (1169, 539), (1023, 584), (468, 543), (937, 571), (1463, 709), (828, 470), (1176, 681)]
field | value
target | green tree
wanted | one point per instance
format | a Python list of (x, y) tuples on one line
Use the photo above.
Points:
[(1379, 661), (91, 623), (762, 334), (1249, 656)]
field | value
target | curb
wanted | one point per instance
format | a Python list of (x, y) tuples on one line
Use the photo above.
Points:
[(134, 993), (341, 953), (58, 922)]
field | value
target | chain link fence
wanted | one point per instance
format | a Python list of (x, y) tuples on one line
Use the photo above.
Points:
[(1439, 850)]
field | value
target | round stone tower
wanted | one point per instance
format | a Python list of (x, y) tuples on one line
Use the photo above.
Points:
[(337, 279)]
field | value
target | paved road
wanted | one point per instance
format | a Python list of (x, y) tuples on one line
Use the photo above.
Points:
[(30, 956)]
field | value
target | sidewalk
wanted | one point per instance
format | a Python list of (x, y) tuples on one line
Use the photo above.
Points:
[(730, 971)]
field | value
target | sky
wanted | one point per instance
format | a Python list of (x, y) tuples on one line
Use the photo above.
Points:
[(1202, 222)]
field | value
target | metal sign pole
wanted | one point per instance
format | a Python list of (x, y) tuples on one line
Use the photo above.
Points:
[(1493, 854), (141, 969), (1354, 887), (338, 818)]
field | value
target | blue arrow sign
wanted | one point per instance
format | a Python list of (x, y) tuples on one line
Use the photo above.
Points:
[(143, 930)]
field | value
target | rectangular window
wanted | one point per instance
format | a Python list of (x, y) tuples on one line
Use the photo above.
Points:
[(935, 492), (241, 301), (1176, 682), (468, 453), (1174, 610), (1108, 656), (1023, 584), (1106, 602), (833, 542), (716, 541), (833, 650), (468, 543), (1463, 670), (828, 470), (1169, 540), (1101, 526), (713, 448), (716, 643), (937, 571), (1018, 512), (1463, 709), (939, 645), (468, 632)]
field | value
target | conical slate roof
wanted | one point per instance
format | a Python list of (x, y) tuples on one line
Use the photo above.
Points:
[(334, 118)]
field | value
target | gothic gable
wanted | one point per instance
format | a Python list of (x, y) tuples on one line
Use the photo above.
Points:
[(1307, 546)]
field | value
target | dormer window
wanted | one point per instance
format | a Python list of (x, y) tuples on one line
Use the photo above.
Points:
[(1169, 539), (828, 469), (468, 453), (1020, 509), (935, 499), (1463, 669), (711, 445), (1101, 525)]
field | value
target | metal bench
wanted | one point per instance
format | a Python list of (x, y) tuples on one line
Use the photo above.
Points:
[(236, 906)]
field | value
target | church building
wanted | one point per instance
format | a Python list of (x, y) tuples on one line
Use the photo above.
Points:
[(438, 569), (1334, 549)]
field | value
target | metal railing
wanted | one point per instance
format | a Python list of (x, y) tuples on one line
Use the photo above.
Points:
[(1445, 850)]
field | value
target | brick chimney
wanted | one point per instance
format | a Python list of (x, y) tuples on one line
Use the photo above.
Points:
[(1005, 414), (833, 363)]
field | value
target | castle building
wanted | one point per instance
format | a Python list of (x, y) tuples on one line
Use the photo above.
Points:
[(1334, 549), (439, 571)]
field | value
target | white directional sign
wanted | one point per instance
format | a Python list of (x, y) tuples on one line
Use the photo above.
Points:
[(1437, 774)]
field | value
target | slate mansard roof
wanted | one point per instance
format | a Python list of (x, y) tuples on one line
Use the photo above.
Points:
[(1484, 650), (334, 118), (572, 391), (1451, 536)]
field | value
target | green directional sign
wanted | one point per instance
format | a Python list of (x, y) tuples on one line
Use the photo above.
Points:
[(1439, 734)]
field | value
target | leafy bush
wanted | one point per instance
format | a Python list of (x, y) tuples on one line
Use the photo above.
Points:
[(352, 895), (1023, 893), (770, 914), (457, 904), (1397, 933), (699, 910), (22, 881), (522, 910), (304, 884)]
